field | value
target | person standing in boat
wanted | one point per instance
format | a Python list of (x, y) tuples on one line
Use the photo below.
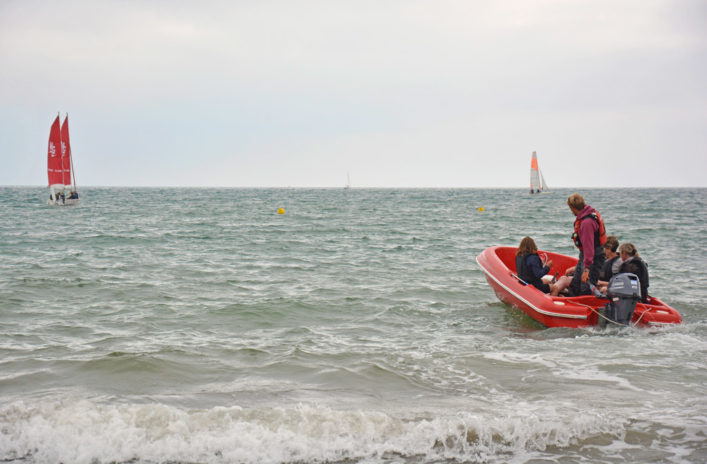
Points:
[(530, 268), (589, 236)]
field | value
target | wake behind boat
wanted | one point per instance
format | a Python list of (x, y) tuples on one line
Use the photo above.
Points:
[(60, 166), (498, 264)]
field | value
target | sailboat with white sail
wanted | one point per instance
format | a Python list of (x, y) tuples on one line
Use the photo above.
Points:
[(537, 181), (60, 165)]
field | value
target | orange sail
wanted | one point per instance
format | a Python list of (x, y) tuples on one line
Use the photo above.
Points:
[(534, 174), (537, 181)]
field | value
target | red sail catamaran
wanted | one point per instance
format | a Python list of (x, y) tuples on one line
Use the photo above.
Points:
[(60, 165)]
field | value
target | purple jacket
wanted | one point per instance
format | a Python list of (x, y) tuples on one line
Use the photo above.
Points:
[(587, 231)]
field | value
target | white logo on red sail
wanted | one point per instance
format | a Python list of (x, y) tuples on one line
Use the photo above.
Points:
[(52, 149)]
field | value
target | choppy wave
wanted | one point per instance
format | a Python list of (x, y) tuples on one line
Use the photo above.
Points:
[(83, 431)]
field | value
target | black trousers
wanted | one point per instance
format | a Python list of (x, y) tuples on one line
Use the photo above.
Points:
[(577, 287)]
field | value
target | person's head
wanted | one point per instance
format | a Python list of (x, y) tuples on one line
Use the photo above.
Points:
[(627, 250), (527, 247), (612, 243), (576, 203)]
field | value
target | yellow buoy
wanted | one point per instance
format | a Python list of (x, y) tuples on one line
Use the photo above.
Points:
[(281, 211), (481, 208)]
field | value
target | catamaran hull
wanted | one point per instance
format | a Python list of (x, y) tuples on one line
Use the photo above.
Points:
[(64, 203), (498, 264), (58, 196)]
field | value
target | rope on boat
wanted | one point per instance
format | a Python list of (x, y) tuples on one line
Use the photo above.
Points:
[(632, 324), (645, 310), (597, 313)]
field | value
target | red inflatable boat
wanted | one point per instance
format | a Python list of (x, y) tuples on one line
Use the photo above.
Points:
[(498, 264)]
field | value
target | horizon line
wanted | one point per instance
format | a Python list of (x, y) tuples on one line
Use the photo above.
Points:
[(358, 188)]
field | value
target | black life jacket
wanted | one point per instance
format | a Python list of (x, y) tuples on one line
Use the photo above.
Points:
[(606, 272), (640, 268), (599, 234), (525, 273)]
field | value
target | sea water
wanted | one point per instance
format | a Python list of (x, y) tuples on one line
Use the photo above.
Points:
[(173, 325)]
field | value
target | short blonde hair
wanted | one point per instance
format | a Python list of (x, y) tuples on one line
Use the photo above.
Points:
[(629, 249), (576, 201)]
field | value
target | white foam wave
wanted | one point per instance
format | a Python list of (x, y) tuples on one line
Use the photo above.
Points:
[(83, 431)]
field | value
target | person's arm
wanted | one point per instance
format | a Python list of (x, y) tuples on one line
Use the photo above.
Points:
[(536, 266), (586, 235), (646, 283)]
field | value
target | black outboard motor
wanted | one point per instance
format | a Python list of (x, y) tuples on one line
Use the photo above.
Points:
[(624, 291)]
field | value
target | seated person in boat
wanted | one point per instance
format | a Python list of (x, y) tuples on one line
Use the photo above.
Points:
[(530, 269), (633, 263), (612, 264)]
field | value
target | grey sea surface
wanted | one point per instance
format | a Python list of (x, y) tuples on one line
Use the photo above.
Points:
[(165, 325)]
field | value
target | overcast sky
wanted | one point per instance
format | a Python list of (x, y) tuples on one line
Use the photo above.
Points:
[(396, 93)]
